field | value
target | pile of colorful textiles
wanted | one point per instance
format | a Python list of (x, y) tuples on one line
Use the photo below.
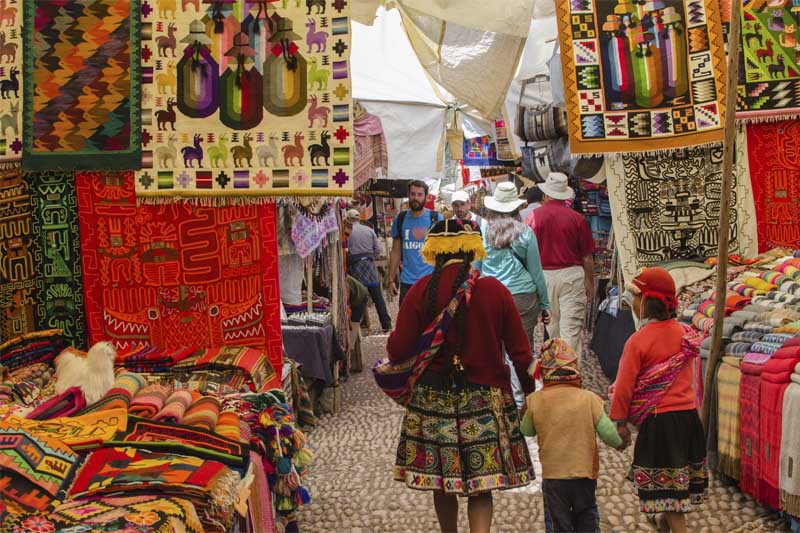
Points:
[(155, 453)]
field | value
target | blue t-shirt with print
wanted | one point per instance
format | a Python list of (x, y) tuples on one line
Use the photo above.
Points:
[(415, 229)]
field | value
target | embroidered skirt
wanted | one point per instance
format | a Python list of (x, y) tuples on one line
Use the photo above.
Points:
[(669, 462), (462, 443)]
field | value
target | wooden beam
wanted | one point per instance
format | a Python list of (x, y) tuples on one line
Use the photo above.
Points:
[(725, 207)]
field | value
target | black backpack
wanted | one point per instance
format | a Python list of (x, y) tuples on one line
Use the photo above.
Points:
[(402, 218)]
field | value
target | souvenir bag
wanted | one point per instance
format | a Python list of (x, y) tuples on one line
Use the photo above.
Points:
[(397, 380), (542, 158), (542, 121)]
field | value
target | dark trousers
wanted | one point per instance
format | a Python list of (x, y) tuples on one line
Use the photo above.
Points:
[(376, 293), (404, 288), (570, 506)]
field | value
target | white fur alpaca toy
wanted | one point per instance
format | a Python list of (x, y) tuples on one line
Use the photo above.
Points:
[(93, 372)]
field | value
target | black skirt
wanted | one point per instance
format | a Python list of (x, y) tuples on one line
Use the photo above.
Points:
[(669, 462)]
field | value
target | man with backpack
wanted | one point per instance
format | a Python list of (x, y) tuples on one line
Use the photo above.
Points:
[(409, 230)]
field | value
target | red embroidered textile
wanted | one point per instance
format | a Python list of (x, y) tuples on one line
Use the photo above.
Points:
[(177, 275), (775, 177), (749, 412)]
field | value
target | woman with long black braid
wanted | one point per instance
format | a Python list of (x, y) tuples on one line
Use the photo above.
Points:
[(461, 435)]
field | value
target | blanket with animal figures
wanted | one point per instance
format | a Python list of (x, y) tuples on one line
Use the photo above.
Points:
[(642, 76), (246, 98), (177, 275), (769, 76), (40, 281), (775, 178), (11, 12), (81, 84), (666, 206)]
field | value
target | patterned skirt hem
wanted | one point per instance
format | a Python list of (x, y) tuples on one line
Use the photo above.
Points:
[(672, 505), (474, 486)]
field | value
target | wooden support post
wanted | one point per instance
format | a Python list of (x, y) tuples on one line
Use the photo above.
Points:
[(725, 207), (309, 284)]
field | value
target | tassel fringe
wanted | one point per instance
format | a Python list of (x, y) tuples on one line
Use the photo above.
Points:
[(440, 245)]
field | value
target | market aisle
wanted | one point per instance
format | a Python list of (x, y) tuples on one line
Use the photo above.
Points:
[(352, 490)]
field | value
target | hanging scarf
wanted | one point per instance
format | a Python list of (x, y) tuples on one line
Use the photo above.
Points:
[(653, 382)]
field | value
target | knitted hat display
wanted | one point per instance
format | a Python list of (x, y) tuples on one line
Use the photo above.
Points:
[(655, 282), (558, 362), (453, 236)]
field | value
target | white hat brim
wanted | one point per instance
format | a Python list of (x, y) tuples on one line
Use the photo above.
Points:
[(569, 194), (502, 207)]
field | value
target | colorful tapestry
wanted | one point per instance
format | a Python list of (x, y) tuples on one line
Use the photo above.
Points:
[(126, 514), (74, 431), (775, 177), (667, 206), (254, 362), (40, 272), (11, 46), (178, 275), (245, 98), (480, 151), (642, 76), (81, 84), (210, 485), (182, 440), (32, 468), (769, 64), (32, 348)]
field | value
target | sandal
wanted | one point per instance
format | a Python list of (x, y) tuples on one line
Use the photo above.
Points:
[(659, 522)]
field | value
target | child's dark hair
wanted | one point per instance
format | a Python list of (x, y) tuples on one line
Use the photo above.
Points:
[(534, 194), (654, 309)]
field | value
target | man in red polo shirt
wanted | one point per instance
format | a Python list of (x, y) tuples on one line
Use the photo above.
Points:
[(565, 247)]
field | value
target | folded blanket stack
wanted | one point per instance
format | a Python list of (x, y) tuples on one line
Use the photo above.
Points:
[(175, 407), (149, 400), (750, 427), (728, 380)]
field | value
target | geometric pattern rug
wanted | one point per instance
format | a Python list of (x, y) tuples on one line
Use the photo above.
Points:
[(41, 285), (176, 275), (246, 98), (81, 85), (774, 149), (642, 76), (666, 206)]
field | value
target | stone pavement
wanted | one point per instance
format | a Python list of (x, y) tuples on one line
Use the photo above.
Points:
[(353, 491)]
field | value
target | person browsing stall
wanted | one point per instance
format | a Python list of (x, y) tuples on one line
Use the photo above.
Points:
[(565, 247), (409, 230)]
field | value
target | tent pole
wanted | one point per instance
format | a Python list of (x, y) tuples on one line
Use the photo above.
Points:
[(309, 285), (724, 222)]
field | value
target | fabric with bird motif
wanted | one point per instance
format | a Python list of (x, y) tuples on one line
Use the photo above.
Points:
[(81, 84), (642, 76), (246, 98)]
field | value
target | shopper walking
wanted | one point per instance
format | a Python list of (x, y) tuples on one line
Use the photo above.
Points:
[(363, 248), (408, 235), (533, 196), (461, 435), (566, 247), (655, 390), (512, 257), (462, 208), (565, 418)]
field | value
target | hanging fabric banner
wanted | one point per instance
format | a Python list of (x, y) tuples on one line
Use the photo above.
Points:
[(642, 76), (81, 84), (246, 98), (40, 279), (775, 177), (666, 206), (178, 275), (769, 75), (10, 81)]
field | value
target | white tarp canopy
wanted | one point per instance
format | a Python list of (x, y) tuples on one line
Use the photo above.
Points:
[(389, 80)]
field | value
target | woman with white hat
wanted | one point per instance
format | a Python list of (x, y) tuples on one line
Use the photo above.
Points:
[(512, 256)]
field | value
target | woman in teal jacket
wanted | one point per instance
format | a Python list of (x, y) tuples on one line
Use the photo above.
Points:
[(513, 258)]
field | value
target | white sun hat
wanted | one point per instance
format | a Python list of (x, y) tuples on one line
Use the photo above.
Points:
[(505, 199), (459, 196), (556, 187)]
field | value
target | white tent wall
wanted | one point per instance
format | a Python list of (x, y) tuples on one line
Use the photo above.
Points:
[(390, 82)]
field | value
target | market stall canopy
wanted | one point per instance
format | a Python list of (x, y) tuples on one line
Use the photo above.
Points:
[(469, 47)]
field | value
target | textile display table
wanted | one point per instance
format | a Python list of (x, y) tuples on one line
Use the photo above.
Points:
[(313, 348)]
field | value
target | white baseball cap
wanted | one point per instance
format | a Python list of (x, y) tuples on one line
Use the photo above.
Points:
[(459, 196)]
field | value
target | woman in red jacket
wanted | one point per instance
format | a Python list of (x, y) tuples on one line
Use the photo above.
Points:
[(655, 390), (461, 434)]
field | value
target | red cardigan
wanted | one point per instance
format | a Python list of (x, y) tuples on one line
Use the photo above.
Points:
[(491, 321)]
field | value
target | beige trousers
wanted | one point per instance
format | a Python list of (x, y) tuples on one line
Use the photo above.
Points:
[(567, 294)]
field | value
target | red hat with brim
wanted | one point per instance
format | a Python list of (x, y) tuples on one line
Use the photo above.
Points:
[(655, 282)]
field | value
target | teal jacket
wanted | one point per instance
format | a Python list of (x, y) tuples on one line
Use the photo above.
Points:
[(510, 271)]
